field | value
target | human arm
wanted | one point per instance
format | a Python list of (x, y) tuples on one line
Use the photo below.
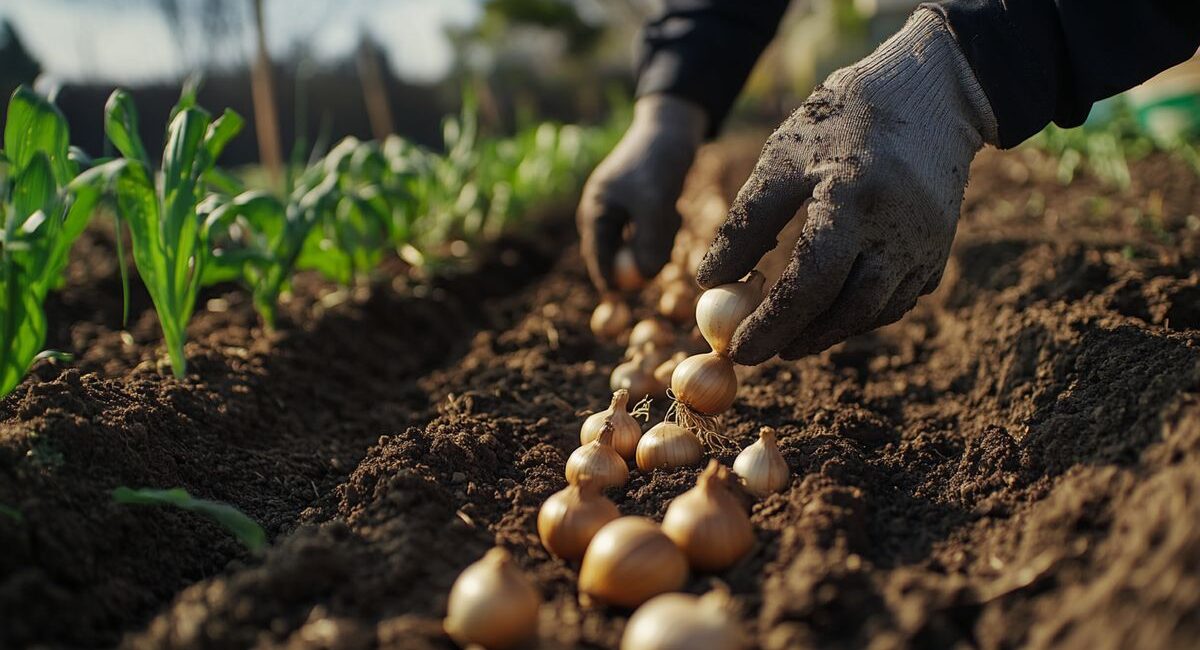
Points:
[(693, 59)]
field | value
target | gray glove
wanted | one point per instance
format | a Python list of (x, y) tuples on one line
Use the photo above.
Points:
[(883, 149), (637, 185)]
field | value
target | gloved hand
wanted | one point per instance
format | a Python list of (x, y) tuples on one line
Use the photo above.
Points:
[(638, 184), (883, 149)]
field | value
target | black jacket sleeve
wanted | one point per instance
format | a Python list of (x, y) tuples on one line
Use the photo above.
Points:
[(703, 50), (1044, 60)]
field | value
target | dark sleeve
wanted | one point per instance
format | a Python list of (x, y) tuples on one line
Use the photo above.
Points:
[(1048, 60), (703, 50)]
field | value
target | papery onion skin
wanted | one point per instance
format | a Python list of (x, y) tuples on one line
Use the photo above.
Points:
[(629, 561), (492, 604), (569, 519), (709, 523), (634, 376), (762, 467), (626, 430), (599, 461), (683, 622), (678, 305), (610, 319), (651, 331), (706, 383), (721, 309), (668, 445)]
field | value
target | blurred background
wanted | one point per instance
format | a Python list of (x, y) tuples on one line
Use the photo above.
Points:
[(312, 69), (307, 71)]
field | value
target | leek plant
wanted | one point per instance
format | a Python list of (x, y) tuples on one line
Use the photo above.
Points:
[(163, 208), (43, 209)]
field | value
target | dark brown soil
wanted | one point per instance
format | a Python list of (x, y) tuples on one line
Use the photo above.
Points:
[(1017, 463)]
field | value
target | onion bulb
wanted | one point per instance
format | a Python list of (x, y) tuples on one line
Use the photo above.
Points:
[(664, 370), (635, 375), (625, 270), (598, 461), (709, 523), (626, 430), (721, 309), (610, 318), (684, 621), (570, 518), (671, 273), (705, 382), (761, 467), (652, 355), (492, 604), (651, 331), (678, 304), (629, 561), (668, 445)]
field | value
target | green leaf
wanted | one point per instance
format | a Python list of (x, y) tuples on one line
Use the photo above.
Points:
[(121, 125), (34, 188), (247, 531), (36, 126), (220, 132)]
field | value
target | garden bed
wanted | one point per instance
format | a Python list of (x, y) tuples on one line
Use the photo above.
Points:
[(1015, 463)]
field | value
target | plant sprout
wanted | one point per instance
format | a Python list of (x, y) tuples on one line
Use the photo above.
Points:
[(41, 219), (245, 529), (162, 210)]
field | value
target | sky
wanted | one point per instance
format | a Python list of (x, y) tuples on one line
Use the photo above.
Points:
[(127, 41)]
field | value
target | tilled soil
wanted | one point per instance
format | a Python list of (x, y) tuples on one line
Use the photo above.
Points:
[(1017, 463)]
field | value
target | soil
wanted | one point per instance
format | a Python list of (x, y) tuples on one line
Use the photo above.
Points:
[(1016, 463)]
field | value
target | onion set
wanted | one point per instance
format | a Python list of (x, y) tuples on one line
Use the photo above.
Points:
[(570, 518), (636, 376), (668, 445), (629, 561), (709, 523), (598, 461), (721, 309), (610, 318), (684, 621), (761, 467), (492, 604), (626, 432)]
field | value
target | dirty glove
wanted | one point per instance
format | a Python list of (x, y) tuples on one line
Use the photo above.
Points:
[(882, 148), (638, 185)]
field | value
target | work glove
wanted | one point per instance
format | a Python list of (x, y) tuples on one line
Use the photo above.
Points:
[(633, 191), (882, 149)]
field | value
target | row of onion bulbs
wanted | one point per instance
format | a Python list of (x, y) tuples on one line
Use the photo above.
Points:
[(631, 561)]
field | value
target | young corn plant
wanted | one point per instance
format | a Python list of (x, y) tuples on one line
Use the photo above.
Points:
[(43, 209), (162, 208), (258, 239), (353, 231)]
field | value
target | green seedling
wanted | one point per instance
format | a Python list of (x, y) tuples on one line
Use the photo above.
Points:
[(351, 236), (245, 529), (258, 239), (43, 209), (163, 209)]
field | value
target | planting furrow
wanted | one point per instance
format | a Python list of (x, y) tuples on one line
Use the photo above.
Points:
[(269, 425), (958, 477)]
